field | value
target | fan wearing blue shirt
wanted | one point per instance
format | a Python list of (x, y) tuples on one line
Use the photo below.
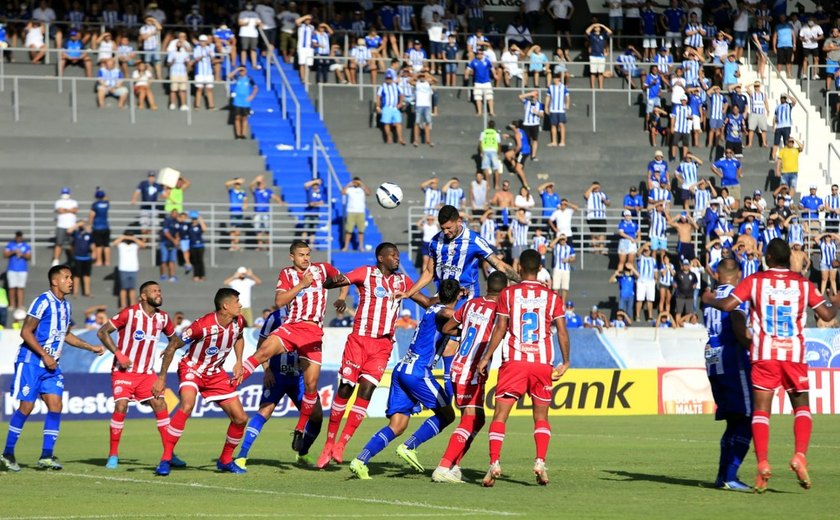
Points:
[(598, 41), (19, 254), (74, 53), (242, 91), (633, 202), (82, 259), (573, 321), (480, 69), (623, 276), (730, 173), (628, 234), (811, 205), (263, 197), (658, 170), (100, 229), (238, 203), (550, 201)]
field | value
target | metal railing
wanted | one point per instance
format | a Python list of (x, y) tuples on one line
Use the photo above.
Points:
[(280, 227), (318, 148), (771, 70)]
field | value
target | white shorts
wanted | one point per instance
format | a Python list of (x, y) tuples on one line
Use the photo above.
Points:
[(695, 123), (204, 80), (306, 56), (672, 38), (336, 66), (597, 64), (262, 219), (649, 43), (16, 279), (483, 91), (645, 290), (560, 279), (626, 247)]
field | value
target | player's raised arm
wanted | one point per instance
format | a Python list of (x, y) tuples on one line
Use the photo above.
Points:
[(426, 277), (283, 297), (499, 330), (500, 265), (728, 304), (828, 312), (27, 334), (104, 335)]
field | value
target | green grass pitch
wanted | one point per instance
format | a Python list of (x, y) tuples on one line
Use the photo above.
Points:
[(600, 467)]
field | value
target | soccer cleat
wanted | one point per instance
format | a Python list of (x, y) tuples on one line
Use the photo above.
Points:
[(242, 462), (305, 460), (297, 440), (732, 485), (338, 453), (410, 457), (50, 463), (176, 462), (541, 472), (162, 469), (230, 467), (493, 473), (456, 472), (442, 475), (762, 476), (799, 465), (325, 457), (113, 462), (9, 462), (359, 469)]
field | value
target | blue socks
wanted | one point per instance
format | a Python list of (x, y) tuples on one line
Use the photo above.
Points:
[(734, 445), (252, 431), (447, 381), (426, 431), (51, 426), (377, 443), (15, 427), (310, 433)]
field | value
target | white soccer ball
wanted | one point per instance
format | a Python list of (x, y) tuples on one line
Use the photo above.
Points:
[(389, 195)]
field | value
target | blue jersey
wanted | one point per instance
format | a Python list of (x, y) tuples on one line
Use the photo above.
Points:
[(285, 364), (236, 198), (460, 259), (526, 142), (100, 214), (82, 244), (262, 200), (426, 346), (53, 317), (17, 263), (481, 69), (723, 353), (196, 235)]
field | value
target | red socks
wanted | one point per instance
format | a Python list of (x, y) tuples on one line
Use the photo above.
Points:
[(173, 433), (234, 437), (307, 404), (357, 415), (117, 424), (497, 437), (761, 434), (802, 429), (458, 441), (162, 424), (542, 436), (339, 405)]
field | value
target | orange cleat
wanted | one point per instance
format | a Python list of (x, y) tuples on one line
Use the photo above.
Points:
[(325, 457), (338, 452), (762, 476), (799, 465)]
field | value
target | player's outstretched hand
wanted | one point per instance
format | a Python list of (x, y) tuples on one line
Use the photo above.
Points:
[(398, 295), (98, 350), (268, 379), (158, 388), (49, 362), (236, 380), (558, 371), (340, 306)]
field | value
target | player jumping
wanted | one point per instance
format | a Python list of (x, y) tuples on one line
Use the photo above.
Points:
[(525, 313), (133, 373), (413, 385), (201, 370), (369, 346), (778, 298), (282, 378), (475, 319), (728, 368), (37, 374)]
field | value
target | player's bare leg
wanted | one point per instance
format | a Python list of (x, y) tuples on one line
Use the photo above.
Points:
[(497, 438), (238, 419)]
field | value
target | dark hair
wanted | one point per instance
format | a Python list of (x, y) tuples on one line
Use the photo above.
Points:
[(447, 213), (496, 282), (223, 295), (55, 270), (147, 284), (449, 291), (728, 266), (297, 244), (491, 124), (530, 261), (778, 253), (384, 246)]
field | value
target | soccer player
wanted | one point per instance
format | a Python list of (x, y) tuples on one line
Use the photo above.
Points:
[(476, 322), (282, 378), (369, 346), (413, 385), (778, 298), (525, 312), (303, 288), (133, 373), (728, 368), (37, 375), (201, 370)]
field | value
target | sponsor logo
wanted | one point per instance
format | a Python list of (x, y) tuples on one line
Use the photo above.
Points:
[(139, 335), (118, 390), (189, 376), (380, 292), (25, 390), (212, 351), (347, 371), (267, 393)]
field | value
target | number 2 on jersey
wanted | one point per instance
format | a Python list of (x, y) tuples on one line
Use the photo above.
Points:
[(530, 324)]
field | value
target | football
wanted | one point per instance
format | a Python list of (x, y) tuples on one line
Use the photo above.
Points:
[(389, 195)]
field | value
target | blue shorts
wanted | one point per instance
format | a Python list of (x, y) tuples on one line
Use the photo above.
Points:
[(831, 66), (557, 118), (658, 243), (732, 394), (32, 380), (437, 47), (284, 384), (652, 102), (168, 254), (237, 220), (391, 116), (450, 68), (740, 38), (409, 392), (714, 124), (490, 160), (184, 245)]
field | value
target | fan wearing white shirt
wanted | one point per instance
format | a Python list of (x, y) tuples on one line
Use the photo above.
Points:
[(423, 94), (249, 33)]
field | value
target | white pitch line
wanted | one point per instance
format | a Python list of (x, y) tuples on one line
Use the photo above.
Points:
[(169, 483), (248, 515)]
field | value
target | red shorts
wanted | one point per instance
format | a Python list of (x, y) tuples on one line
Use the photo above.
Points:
[(517, 378), (771, 374), (467, 395), (214, 388), (303, 337), (130, 385), (365, 357)]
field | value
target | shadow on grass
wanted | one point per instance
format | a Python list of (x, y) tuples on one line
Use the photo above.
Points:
[(665, 479)]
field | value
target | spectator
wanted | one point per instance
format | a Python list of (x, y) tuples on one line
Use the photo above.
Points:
[(428, 227), (810, 36), (74, 53), (561, 11), (34, 41), (479, 194), (480, 69), (828, 262), (596, 205), (564, 257), (243, 91), (179, 63), (314, 203), (197, 227), (633, 202), (686, 283), (549, 200), (105, 46), (681, 127), (811, 205), (238, 203), (204, 60), (288, 40), (686, 174), (405, 320), (268, 21), (538, 66), (524, 200), (432, 194), (389, 101), (595, 320), (225, 42), (305, 50), (646, 274), (174, 197), (424, 93), (627, 66), (19, 253), (149, 39), (685, 226), (111, 84), (539, 243), (183, 230), (782, 121), (665, 321), (557, 102), (489, 145), (153, 11), (730, 173), (516, 155), (416, 56), (148, 191), (518, 235), (321, 43), (832, 210), (249, 23), (141, 79), (488, 228), (560, 221), (598, 50), (759, 107), (126, 55), (716, 110), (532, 119), (784, 44), (510, 65), (573, 321), (355, 212), (787, 162), (243, 281), (66, 210), (101, 229), (82, 259), (518, 33), (95, 316), (450, 53), (341, 320), (665, 282), (623, 276), (180, 322), (168, 238), (361, 60), (453, 193), (831, 47), (658, 171), (263, 197), (628, 235)]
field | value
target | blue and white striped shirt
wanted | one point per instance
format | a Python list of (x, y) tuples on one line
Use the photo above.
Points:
[(666, 274), (595, 206), (361, 55), (76, 18), (519, 233), (488, 231), (358, 28), (110, 76), (796, 234), (692, 72), (658, 226), (416, 57), (832, 202), (628, 63), (130, 20), (828, 253), (459, 259), (532, 113), (557, 98), (716, 102), (757, 103), (658, 194), (111, 18), (389, 94), (688, 171), (432, 202), (474, 10), (204, 60), (563, 252), (783, 115), (53, 317), (664, 63), (723, 226), (769, 234), (696, 39), (647, 268), (177, 61), (539, 242), (682, 118), (405, 14), (701, 201), (323, 39), (749, 266), (454, 197), (472, 42), (304, 36)]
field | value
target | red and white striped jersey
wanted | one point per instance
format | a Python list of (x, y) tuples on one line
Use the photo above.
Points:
[(211, 343), (531, 309), (778, 300), (310, 303), (476, 318), (137, 337), (377, 310)]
